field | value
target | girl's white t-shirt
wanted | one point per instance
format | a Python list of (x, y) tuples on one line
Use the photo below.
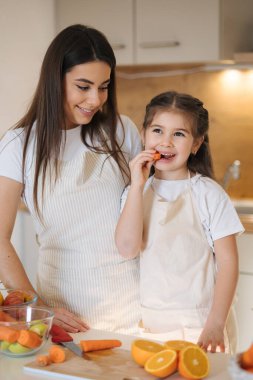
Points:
[(216, 211), (11, 151)]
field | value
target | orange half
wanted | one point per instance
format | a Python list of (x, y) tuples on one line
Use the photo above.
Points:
[(193, 363), (162, 364), (142, 350), (178, 345)]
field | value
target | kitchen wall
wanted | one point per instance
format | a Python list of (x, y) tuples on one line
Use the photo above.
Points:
[(228, 95)]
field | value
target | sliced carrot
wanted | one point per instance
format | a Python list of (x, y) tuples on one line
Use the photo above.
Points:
[(57, 354), (5, 317), (99, 344), (157, 156), (29, 339), (43, 360), (9, 334)]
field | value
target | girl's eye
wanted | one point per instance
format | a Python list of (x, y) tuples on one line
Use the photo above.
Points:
[(179, 134), (104, 88), (157, 130)]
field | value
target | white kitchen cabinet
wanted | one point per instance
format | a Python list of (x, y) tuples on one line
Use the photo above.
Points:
[(244, 304), (24, 241), (112, 17), (165, 31)]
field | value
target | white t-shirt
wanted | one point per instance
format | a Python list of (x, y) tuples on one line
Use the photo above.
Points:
[(11, 151), (216, 211)]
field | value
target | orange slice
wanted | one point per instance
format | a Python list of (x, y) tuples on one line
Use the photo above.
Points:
[(178, 345), (162, 364), (246, 359), (142, 350), (193, 363)]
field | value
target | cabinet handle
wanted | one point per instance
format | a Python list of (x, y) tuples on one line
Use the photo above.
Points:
[(157, 45), (118, 46)]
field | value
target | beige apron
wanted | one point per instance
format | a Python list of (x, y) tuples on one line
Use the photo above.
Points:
[(177, 271), (79, 267)]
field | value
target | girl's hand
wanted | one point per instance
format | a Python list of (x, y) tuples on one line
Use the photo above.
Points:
[(212, 337), (140, 167), (69, 321)]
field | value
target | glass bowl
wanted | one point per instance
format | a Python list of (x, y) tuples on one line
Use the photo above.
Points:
[(16, 297), (25, 329)]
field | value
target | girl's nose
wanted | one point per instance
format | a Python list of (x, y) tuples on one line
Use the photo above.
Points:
[(168, 141), (93, 99)]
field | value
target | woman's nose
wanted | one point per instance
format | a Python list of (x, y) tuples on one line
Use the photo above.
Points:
[(93, 99)]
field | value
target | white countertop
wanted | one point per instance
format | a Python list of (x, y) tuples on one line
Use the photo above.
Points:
[(12, 368)]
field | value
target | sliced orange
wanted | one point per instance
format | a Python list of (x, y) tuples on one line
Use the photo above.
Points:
[(142, 350), (178, 345), (162, 364), (193, 363)]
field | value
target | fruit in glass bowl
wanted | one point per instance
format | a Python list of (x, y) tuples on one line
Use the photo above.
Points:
[(17, 297), (24, 330)]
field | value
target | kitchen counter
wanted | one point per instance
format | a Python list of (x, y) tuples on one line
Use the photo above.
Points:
[(12, 368)]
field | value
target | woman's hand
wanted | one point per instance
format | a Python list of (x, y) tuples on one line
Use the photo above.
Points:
[(212, 337), (69, 321)]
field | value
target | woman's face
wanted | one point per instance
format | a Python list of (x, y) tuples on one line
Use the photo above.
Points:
[(85, 92)]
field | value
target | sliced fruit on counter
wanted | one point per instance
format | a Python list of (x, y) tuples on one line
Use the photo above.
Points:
[(162, 364), (57, 354), (142, 350), (193, 363), (179, 345), (99, 344)]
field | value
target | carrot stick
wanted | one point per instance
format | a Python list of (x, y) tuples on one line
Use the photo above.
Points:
[(57, 354), (100, 344), (43, 360), (157, 156), (9, 334), (29, 339)]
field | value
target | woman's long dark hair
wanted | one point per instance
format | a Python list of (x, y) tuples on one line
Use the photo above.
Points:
[(76, 44), (192, 109)]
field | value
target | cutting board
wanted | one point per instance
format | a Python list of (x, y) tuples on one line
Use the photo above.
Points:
[(115, 364)]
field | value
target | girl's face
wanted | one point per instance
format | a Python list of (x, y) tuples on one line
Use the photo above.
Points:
[(85, 92), (170, 134)]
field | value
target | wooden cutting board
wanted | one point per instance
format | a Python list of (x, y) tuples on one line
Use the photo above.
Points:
[(115, 364)]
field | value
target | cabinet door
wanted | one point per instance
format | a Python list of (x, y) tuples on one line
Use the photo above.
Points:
[(177, 31), (112, 17), (244, 310)]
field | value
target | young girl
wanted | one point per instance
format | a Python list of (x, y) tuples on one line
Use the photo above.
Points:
[(184, 226)]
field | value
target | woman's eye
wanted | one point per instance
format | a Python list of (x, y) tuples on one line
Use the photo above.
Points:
[(83, 88), (157, 130)]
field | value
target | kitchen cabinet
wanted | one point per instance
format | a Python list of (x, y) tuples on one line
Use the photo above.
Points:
[(165, 31), (244, 299)]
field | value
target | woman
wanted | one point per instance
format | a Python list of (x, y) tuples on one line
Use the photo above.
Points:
[(68, 159)]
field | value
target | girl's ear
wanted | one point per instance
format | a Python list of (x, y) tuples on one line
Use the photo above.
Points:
[(196, 145)]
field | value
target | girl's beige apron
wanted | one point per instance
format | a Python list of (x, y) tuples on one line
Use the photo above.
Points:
[(79, 267), (177, 271)]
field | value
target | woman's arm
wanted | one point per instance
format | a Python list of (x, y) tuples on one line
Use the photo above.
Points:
[(224, 291), (12, 272), (129, 230)]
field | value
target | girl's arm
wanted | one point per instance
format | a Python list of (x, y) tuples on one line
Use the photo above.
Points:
[(12, 273), (224, 291), (128, 234)]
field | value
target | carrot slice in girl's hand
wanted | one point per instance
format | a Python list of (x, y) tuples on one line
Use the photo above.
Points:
[(57, 354), (157, 156), (99, 344), (43, 360)]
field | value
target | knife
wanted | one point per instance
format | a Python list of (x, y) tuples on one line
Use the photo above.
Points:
[(60, 336)]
